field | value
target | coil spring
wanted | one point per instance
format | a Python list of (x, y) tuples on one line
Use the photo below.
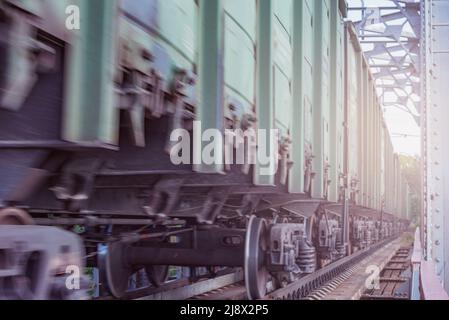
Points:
[(307, 259)]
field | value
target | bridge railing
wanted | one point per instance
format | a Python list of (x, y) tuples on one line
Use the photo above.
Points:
[(425, 283)]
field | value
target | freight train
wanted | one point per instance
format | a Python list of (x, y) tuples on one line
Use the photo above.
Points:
[(97, 96)]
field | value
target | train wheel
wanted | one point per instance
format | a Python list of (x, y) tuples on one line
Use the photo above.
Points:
[(117, 272), (280, 219), (256, 245), (157, 275), (15, 216)]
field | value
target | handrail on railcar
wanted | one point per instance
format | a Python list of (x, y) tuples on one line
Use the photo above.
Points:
[(425, 283)]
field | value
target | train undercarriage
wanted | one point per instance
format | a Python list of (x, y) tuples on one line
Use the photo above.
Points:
[(276, 238)]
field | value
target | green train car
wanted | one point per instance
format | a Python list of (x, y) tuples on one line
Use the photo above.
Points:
[(242, 134)]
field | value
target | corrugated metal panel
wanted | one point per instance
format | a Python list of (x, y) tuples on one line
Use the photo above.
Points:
[(282, 58), (368, 156), (227, 60), (244, 13), (239, 55), (174, 20), (308, 70)]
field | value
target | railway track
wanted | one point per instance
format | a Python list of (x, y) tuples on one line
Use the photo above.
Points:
[(236, 291), (330, 275), (230, 284), (184, 289), (310, 287), (395, 278)]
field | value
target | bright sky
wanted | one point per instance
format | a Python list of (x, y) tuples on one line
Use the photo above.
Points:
[(405, 132)]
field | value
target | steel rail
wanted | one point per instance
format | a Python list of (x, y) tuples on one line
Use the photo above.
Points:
[(306, 285), (302, 288), (395, 283), (183, 289)]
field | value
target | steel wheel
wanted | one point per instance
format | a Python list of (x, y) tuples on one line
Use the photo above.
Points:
[(280, 219), (15, 217), (117, 272), (256, 244)]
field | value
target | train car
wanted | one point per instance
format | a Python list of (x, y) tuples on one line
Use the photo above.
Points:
[(242, 134)]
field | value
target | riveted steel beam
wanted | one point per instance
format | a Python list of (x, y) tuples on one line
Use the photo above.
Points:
[(435, 150), (379, 29)]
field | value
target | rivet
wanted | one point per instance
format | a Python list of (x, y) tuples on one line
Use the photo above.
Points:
[(437, 242)]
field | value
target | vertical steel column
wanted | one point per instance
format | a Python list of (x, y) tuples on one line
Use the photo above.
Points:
[(90, 112), (264, 95), (371, 172), (377, 153), (438, 163), (318, 145), (368, 137), (364, 149), (427, 205), (334, 112), (211, 77), (425, 148), (296, 181), (372, 121), (360, 128), (374, 141), (345, 213)]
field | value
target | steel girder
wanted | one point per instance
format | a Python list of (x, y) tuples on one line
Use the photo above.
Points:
[(390, 37)]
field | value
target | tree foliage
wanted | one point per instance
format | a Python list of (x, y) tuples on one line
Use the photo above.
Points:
[(411, 167)]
